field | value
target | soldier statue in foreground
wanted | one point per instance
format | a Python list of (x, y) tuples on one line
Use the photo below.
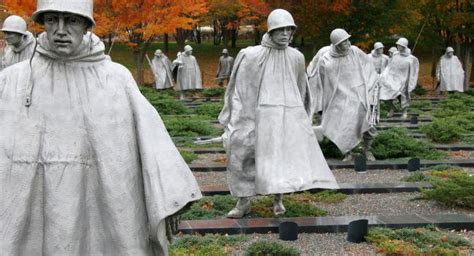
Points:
[(21, 43), (269, 141), (86, 164)]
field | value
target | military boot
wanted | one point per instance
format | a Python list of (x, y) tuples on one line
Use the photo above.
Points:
[(405, 113), (278, 207), (241, 208), (368, 149)]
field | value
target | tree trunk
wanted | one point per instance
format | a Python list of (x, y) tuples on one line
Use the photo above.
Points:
[(139, 56), (234, 38), (225, 34), (180, 38), (166, 47), (467, 60), (198, 35), (257, 36), (302, 42), (216, 33), (434, 62)]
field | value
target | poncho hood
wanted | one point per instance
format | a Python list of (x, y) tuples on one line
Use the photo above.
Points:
[(30, 39), (90, 50), (336, 54), (269, 43)]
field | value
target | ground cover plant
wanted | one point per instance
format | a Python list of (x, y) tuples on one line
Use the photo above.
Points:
[(190, 127), (452, 186), (396, 143), (210, 110), (297, 205), (207, 245), (267, 248), (213, 92), (419, 241), (188, 156)]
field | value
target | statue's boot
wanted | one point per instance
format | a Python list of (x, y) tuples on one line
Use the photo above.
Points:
[(241, 208), (347, 157), (405, 113), (368, 149), (182, 95), (278, 207)]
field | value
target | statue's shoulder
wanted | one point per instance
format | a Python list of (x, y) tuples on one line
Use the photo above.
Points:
[(117, 70)]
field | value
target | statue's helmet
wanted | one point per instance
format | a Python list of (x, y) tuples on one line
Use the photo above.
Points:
[(280, 18), (14, 24), (225, 51), (338, 36), (402, 42), (378, 45), (449, 49), (158, 52), (392, 49), (188, 48), (83, 8)]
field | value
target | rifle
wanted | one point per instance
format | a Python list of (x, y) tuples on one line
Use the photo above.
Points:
[(374, 116), (151, 65)]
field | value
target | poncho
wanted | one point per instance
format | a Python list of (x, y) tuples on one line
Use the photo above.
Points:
[(271, 146), (313, 77), (23, 52), (189, 74), (88, 168), (400, 76), (450, 74), (347, 80), (225, 67), (162, 72), (380, 61)]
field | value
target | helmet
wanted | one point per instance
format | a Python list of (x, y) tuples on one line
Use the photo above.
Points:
[(392, 49), (338, 36), (188, 48), (449, 49), (402, 42), (225, 51), (158, 52), (378, 45), (280, 18), (14, 24), (84, 8)]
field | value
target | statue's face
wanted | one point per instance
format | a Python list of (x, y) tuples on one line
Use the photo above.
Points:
[(13, 38), (379, 51), (189, 53), (400, 48), (282, 36), (64, 31), (344, 46), (450, 54)]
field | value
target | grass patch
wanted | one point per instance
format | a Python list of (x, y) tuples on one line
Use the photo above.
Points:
[(208, 244), (211, 110), (297, 205), (188, 157), (396, 143), (419, 90), (419, 241), (189, 127), (267, 248), (443, 130), (214, 92)]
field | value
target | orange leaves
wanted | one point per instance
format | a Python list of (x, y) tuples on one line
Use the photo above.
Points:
[(22, 8)]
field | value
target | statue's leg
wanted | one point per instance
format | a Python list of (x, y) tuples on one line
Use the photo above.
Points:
[(405, 103), (368, 141), (278, 207), (182, 95), (392, 108), (241, 208)]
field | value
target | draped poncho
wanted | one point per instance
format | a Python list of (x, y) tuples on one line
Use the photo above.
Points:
[(189, 74), (380, 61), (450, 74), (347, 79), (400, 76), (23, 52), (88, 168), (162, 72), (271, 146), (224, 68)]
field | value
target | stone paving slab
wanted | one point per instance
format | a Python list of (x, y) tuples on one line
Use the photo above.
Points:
[(338, 164), (345, 188), (330, 224)]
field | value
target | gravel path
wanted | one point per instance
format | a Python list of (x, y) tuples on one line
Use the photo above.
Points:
[(322, 244)]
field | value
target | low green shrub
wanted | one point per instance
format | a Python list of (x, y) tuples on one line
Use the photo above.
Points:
[(188, 156), (443, 131), (439, 171), (419, 90), (213, 92), (396, 143), (267, 248), (452, 190), (330, 149), (297, 205), (212, 110), (419, 241), (189, 127), (207, 245)]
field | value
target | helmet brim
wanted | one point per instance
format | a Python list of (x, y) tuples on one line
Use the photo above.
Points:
[(38, 16), (343, 39), (14, 31), (283, 26)]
